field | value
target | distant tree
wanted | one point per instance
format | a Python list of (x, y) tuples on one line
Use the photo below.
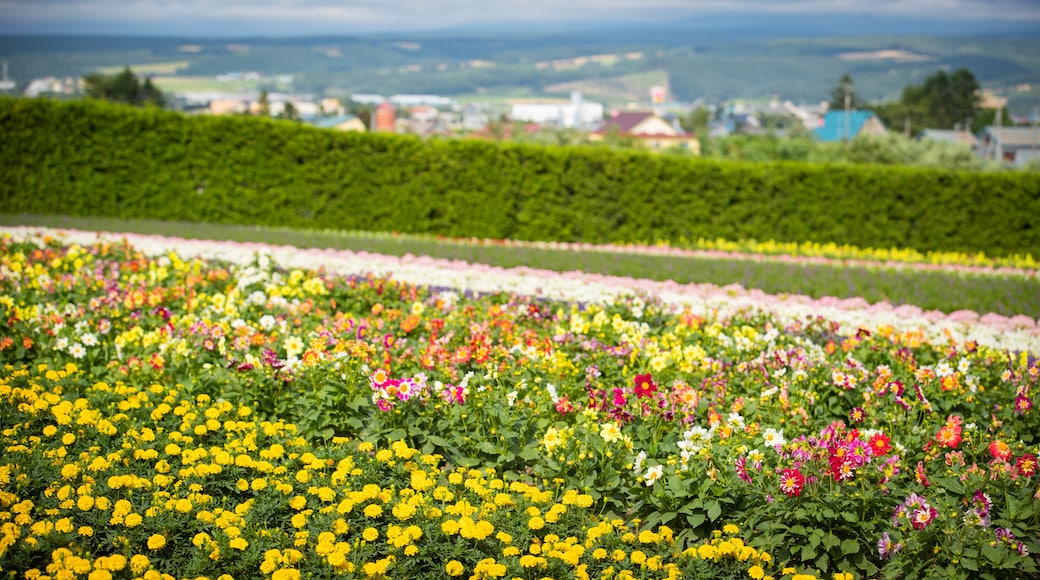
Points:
[(123, 87), (943, 101), (845, 87), (290, 112), (697, 121), (265, 104)]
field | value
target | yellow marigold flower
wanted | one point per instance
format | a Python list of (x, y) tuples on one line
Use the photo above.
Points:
[(842, 576), (70, 471), (450, 527), (707, 552), (85, 502), (373, 511), (286, 574), (403, 511), (617, 555), (49, 430), (410, 550), (182, 505), (638, 557), (648, 537), (156, 542), (455, 478), (756, 572), (370, 534), (85, 531), (132, 520), (454, 568), (730, 529), (511, 551), (599, 553), (298, 502), (139, 563), (239, 544), (536, 523)]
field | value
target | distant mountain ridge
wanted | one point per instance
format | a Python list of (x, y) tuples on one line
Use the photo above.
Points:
[(710, 58)]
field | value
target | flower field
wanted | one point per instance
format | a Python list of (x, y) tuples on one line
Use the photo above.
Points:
[(186, 409)]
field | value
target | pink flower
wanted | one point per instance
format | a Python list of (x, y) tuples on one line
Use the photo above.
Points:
[(742, 470)]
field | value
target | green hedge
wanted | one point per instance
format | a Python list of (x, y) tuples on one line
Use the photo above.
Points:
[(96, 159)]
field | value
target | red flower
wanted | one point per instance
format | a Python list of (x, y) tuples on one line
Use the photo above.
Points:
[(792, 482), (1023, 404), (1000, 450), (880, 444), (564, 406), (950, 433), (644, 385), (919, 474), (1026, 465)]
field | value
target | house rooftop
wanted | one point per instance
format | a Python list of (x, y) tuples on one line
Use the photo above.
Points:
[(948, 136), (1015, 136), (329, 122), (834, 125)]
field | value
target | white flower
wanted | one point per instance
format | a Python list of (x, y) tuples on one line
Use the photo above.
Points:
[(653, 474), (61, 344), (638, 465), (943, 369), (552, 392), (511, 398), (964, 365), (77, 350), (267, 322), (774, 438), (88, 339), (735, 421)]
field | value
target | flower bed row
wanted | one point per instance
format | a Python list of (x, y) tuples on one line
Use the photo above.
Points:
[(875, 451)]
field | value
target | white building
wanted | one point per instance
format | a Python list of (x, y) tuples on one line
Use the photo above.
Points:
[(572, 114)]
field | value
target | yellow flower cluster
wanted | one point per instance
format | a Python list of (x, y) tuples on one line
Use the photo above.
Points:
[(148, 482)]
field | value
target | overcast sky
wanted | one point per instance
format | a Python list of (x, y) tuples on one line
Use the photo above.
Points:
[(240, 17)]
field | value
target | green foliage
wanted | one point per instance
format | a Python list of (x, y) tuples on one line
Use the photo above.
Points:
[(124, 87), (97, 159), (943, 101), (846, 89)]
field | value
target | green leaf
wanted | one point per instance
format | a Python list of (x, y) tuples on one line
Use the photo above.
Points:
[(695, 520), (951, 484), (849, 546), (970, 564), (992, 553), (530, 453), (830, 541), (488, 447), (438, 441), (808, 553), (851, 517), (714, 510)]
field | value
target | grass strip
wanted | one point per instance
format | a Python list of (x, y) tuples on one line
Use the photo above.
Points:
[(933, 290)]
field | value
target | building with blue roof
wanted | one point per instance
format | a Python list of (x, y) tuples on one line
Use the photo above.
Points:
[(840, 126)]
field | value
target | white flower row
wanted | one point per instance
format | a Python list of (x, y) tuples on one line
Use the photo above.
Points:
[(1016, 334)]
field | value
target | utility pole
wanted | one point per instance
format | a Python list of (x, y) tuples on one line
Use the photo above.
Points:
[(999, 150), (848, 105)]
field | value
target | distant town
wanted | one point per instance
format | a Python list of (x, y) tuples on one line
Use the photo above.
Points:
[(657, 123)]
